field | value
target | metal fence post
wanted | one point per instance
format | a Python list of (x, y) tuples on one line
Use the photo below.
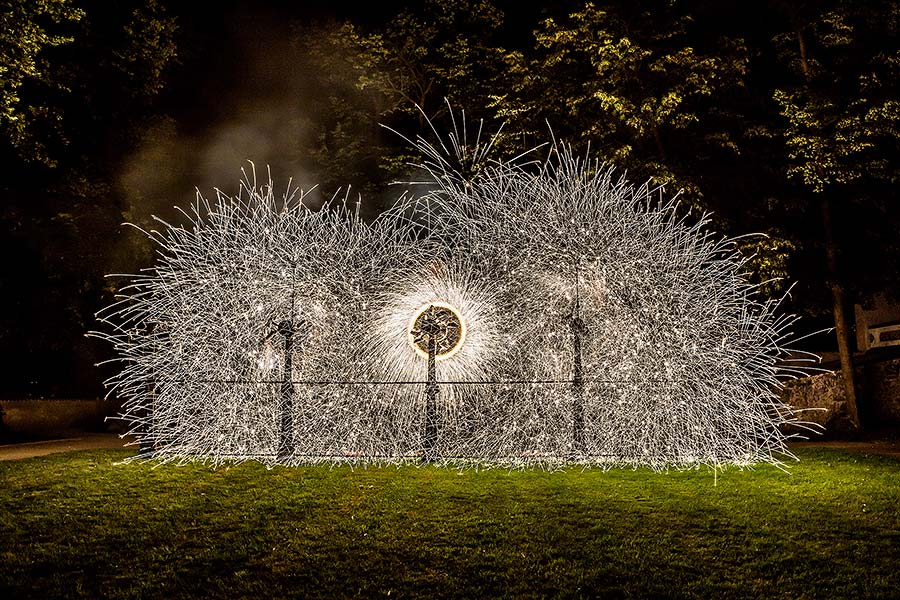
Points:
[(577, 325), (286, 435), (431, 394), (147, 447)]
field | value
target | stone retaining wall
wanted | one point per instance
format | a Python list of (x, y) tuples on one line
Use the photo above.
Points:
[(819, 399), (822, 400), (879, 384), (40, 418)]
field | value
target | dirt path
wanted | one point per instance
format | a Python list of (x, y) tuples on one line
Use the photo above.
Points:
[(83, 442)]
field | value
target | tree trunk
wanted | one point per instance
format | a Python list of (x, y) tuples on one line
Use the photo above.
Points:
[(834, 282), (840, 319)]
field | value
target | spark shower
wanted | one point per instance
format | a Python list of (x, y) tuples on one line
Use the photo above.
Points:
[(532, 314)]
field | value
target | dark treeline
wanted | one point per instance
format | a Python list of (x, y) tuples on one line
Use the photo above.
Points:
[(778, 117)]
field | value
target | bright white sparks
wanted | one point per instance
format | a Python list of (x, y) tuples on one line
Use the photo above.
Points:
[(590, 325)]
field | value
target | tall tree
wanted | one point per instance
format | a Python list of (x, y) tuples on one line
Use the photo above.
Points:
[(370, 75), (91, 72), (27, 29), (643, 82), (841, 113), (76, 72)]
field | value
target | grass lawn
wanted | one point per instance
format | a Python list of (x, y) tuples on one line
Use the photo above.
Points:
[(77, 525)]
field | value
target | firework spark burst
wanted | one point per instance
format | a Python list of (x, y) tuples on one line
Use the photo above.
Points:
[(572, 317)]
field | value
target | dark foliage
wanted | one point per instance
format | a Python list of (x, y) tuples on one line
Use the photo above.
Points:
[(112, 112)]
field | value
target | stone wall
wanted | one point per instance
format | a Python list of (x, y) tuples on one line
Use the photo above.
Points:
[(879, 383), (820, 399), (54, 418), (878, 396)]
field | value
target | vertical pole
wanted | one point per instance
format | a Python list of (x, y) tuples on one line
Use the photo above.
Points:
[(431, 393), (841, 330), (577, 325), (146, 447), (578, 445), (286, 437)]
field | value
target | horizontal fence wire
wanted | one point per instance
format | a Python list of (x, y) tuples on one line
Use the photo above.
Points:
[(424, 382), (409, 456)]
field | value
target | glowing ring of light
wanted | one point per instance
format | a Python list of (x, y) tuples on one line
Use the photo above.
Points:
[(462, 330)]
